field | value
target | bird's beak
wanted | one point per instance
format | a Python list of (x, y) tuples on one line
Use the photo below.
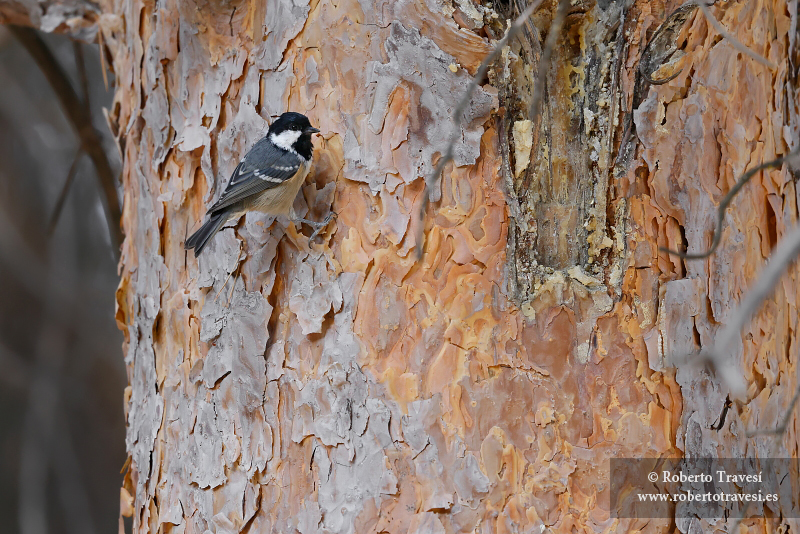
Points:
[(311, 130)]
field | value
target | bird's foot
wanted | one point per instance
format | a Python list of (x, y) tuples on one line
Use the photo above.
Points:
[(318, 226)]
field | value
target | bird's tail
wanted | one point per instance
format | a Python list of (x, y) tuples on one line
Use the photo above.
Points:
[(200, 238)]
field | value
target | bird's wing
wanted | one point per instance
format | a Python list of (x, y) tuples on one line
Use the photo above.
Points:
[(264, 167)]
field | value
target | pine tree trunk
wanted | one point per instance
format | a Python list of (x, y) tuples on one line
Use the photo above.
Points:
[(279, 384)]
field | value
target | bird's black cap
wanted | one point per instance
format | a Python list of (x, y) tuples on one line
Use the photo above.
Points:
[(292, 121)]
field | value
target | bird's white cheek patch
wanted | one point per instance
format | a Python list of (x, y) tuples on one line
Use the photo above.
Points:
[(285, 139)]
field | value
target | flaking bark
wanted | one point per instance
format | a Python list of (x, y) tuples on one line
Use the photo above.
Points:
[(277, 385)]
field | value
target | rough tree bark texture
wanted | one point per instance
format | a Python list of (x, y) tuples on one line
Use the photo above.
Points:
[(76, 17), (341, 386), (277, 385)]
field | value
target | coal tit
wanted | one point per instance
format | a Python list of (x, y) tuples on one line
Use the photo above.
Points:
[(267, 179)]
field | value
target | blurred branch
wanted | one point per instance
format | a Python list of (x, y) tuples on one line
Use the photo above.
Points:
[(81, 121), (781, 428), (459, 112), (774, 434), (723, 206), (77, 48), (662, 45), (76, 17), (544, 62), (102, 47), (63, 195), (718, 356), (738, 45)]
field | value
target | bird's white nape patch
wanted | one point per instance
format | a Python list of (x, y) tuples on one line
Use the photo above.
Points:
[(286, 139)]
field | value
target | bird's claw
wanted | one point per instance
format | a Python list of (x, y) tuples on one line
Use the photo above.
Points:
[(318, 226)]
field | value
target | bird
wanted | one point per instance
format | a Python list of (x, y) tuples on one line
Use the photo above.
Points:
[(266, 179)]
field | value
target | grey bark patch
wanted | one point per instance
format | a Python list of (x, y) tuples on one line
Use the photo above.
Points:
[(146, 406), (218, 260), (417, 62), (283, 20), (682, 301), (204, 449), (276, 91), (470, 482), (242, 336), (313, 294)]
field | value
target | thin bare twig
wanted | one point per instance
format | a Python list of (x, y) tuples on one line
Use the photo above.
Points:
[(547, 56), (236, 268), (51, 226), (80, 65), (738, 45), (723, 206), (81, 121), (774, 434), (81, 68), (101, 45), (458, 116), (662, 44), (780, 429), (785, 253)]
